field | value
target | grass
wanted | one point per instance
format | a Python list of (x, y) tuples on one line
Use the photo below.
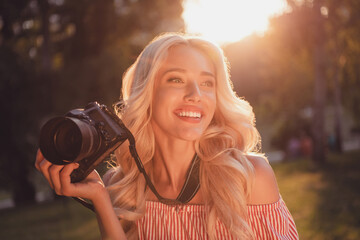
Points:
[(61, 219), (324, 201)]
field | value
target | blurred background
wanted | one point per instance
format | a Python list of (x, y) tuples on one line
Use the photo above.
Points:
[(296, 61)]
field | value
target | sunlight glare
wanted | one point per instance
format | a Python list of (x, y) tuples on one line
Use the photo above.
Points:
[(226, 21)]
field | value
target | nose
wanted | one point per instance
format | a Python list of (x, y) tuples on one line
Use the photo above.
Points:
[(193, 92)]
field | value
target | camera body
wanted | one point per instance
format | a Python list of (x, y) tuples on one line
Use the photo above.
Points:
[(85, 136)]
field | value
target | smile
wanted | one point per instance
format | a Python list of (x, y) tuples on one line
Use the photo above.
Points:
[(190, 114)]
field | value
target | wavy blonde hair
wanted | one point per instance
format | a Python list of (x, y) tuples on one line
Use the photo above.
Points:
[(225, 172)]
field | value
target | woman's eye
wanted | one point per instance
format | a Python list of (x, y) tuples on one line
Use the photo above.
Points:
[(175, 80), (208, 84)]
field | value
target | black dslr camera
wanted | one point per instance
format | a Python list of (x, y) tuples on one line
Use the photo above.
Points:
[(85, 136)]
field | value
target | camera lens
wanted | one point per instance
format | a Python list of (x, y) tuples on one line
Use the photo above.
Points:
[(65, 139)]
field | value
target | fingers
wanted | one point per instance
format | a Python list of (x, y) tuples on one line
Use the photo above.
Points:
[(44, 169), (58, 176), (50, 171), (54, 172), (67, 188), (39, 158), (43, 166)]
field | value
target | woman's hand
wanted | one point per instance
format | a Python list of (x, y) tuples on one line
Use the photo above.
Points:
[(92, 188), (58, 176)]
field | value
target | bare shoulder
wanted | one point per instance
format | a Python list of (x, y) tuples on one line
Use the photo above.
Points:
[(264, 189)]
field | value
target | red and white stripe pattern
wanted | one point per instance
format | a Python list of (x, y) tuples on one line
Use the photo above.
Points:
[(272, 221), (166, 222)]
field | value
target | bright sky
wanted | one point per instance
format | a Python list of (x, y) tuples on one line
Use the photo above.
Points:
[(226, 21)]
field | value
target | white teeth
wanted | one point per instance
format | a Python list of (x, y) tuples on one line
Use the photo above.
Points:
[(190, 114)]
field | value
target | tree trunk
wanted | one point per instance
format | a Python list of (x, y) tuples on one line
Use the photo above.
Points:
[(23, 189), (338, 109), (319, 155)]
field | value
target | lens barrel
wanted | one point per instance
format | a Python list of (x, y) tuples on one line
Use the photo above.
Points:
[(65, 139)]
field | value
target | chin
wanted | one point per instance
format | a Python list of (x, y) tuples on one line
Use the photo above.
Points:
[(191, 135)]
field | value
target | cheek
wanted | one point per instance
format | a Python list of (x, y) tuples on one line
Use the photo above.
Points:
[(162, 99), (158, 97), (212, 101)]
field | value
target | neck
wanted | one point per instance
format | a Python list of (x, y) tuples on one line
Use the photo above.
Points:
[(172, 160)]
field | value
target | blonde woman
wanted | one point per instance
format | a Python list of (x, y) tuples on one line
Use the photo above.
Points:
[(198, 144)]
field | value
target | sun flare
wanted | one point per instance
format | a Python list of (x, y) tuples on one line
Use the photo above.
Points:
[(226, 21)]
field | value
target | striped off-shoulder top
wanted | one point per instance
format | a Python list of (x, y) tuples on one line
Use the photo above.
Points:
[(161, 221)]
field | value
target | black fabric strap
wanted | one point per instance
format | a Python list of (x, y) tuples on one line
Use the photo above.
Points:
[(190, 187), (188, 191), (192, 183), (85, 203)]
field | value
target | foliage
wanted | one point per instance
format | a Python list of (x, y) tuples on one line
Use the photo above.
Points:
[(277, 72), (56, 55), (294, 127)]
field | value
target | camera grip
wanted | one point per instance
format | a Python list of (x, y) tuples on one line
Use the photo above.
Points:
[(79, 174)]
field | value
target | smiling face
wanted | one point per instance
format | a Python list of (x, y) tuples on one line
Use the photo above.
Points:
[(184, 98)]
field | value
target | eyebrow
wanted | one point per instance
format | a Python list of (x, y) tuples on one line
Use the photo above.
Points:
[(205, 73)]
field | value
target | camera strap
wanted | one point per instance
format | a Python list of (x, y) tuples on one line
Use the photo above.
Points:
[(192, 183), (189, 189)]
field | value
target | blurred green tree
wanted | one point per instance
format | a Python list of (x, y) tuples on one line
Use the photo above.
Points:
[(56, 55), (16, 115), (300, 66)]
